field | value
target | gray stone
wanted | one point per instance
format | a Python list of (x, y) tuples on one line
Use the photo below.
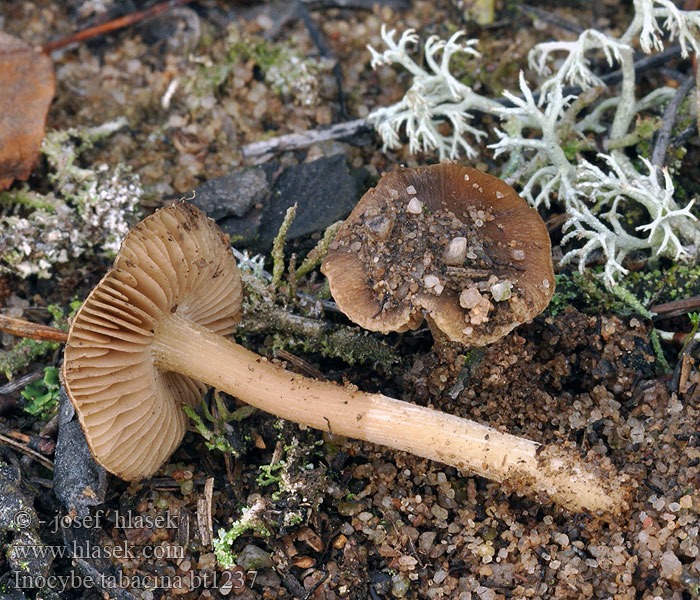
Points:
[(325, 190), (252, 558), (233, 195)]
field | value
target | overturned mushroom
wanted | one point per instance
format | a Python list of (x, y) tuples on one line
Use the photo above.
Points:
[(456, 246), (153, 328)]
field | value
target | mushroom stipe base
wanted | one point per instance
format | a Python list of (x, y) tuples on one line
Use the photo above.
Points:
[(471, 447)]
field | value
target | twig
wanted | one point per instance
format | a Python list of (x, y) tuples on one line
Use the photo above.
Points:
[(38, 443), (318, 585), (8, 441), (548, 17), (20, 382), (685, 135), (676, 308), (27, 329), (300, 364), (669, 120), (677, 337), (293, 141), (204, 520), (113, 25), (314, 335)]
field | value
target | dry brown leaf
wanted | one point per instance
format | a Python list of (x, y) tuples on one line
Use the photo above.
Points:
[(28, 85)]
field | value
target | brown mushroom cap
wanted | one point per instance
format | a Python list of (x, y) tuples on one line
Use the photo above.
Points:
[(130, 410), (447, 242)]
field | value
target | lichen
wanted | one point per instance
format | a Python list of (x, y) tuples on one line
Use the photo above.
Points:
[(252, 519), (89, 211)]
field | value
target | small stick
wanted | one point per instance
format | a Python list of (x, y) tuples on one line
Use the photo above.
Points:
[(20, 382), (669, 120), (27, 329), (305, 367), (119, 23), (677, 307), (7, 441), (293, 141), (204, 520)]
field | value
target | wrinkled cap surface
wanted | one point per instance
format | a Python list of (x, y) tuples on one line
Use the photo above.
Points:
[(176, 260), (445, 242)]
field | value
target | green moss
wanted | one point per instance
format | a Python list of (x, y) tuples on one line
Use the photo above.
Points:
[(269, 474), (42, 396), (214, 440), (26, 198), (665, 285), (23, 354), (586, 292)]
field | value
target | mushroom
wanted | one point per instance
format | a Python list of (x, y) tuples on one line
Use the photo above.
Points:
[(473, 234), (154, 327)]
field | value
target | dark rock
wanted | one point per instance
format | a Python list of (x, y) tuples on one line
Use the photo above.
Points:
[(325, 190), (243, 231), (381, 582), (78, 481), (235, 194)]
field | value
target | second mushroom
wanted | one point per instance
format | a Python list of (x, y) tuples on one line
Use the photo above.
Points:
[(154, 327), (445, 242)]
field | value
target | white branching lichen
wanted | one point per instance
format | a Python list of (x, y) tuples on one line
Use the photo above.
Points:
[(90, 212), (546, 131), (435, 97), (605, 229)]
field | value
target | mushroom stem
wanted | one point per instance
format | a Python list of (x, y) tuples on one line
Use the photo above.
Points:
[(187, 348)]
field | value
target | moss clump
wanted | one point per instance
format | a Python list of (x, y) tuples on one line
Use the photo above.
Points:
[(24, 353), (587, 293), (665, 285)]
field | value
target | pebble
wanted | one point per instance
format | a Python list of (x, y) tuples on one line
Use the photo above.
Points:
[(440, 576), (439, 512), (671, 567), (399, 586), (414, 206), (502, 290), (469, 298), (252, 557), (431, 281), (426, 541), (455, 251)]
